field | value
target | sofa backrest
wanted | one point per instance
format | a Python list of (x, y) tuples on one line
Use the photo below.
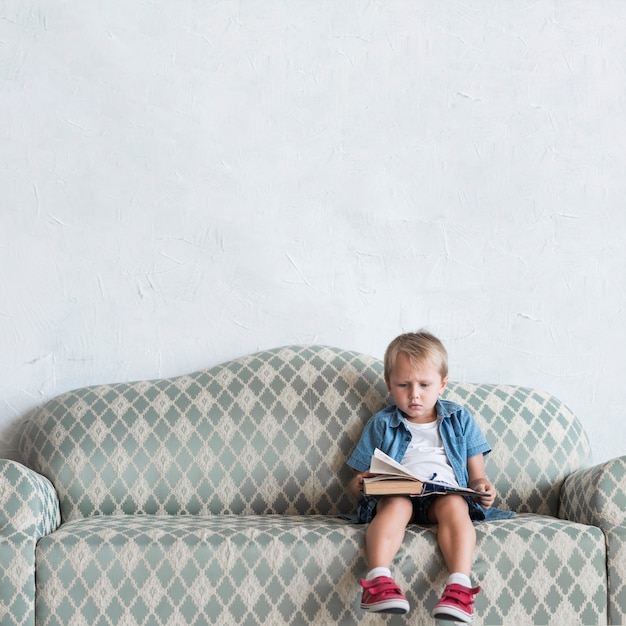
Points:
[(536, 443), (270, 433)]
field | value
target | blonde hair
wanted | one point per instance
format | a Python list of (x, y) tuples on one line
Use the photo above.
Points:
[(420, 347)]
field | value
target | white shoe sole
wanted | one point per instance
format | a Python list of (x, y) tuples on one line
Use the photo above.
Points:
[(388, 606), (452, 614)]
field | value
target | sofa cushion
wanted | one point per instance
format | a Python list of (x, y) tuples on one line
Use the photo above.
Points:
[(302, 569), (270, 433), (537, 442), (263, 434)]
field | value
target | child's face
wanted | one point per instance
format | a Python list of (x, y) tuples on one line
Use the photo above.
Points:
[(415, 389)]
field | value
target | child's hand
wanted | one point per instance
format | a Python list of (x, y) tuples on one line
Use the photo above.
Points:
[(484, 485), (356, 484)]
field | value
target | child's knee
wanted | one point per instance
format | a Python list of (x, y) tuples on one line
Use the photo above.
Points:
[(449, 506), (395, 505)]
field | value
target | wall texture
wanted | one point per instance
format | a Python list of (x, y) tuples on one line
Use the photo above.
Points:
[(185, 182)]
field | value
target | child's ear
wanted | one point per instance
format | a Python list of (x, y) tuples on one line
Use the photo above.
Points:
[(444, 382)]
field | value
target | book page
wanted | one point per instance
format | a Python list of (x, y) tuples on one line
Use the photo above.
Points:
[(382, 463)]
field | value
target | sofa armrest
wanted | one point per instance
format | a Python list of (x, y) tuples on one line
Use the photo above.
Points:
[(28, 501), (29, 509), (17, 578), (597, 497)]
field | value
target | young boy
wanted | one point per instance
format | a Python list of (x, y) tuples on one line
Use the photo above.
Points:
[(429, 436)]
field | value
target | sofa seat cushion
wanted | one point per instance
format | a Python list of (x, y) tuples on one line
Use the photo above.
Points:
[(142, 569), (275, 569), (536, 569)]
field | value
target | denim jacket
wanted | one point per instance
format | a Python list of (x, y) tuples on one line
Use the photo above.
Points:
[(461, 436)]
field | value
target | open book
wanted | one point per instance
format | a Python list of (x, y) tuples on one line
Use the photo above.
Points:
[(391, 478)]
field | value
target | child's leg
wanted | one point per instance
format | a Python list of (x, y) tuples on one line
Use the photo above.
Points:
[(457, 539), (386, 531), (456, 534), (382, 540)]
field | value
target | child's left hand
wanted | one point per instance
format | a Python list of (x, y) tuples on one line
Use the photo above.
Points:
[(484, 485)]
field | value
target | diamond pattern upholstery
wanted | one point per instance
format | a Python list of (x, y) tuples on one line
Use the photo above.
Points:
[(597, 496), (28, 501), (29, 509), (216, 497), (252, 570), (263, 434), (536, 443)]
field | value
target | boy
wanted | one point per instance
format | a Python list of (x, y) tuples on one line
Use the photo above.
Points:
[(429, 436)]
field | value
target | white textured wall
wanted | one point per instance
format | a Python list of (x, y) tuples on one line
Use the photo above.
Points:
[(184, 182)]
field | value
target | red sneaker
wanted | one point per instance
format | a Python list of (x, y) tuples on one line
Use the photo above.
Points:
[(382, 595), (457, 602)]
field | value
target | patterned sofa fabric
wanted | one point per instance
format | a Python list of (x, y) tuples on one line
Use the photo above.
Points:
[(597, 496), (29, 510), (303, 569), (217, 497)]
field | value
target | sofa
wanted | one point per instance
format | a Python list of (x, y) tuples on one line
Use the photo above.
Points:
[(220, 497)]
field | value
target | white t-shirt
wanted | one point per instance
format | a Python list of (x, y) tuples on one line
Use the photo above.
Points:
[(426, 456)]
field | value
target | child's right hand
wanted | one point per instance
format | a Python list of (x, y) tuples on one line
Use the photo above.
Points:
[(356, 484)]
